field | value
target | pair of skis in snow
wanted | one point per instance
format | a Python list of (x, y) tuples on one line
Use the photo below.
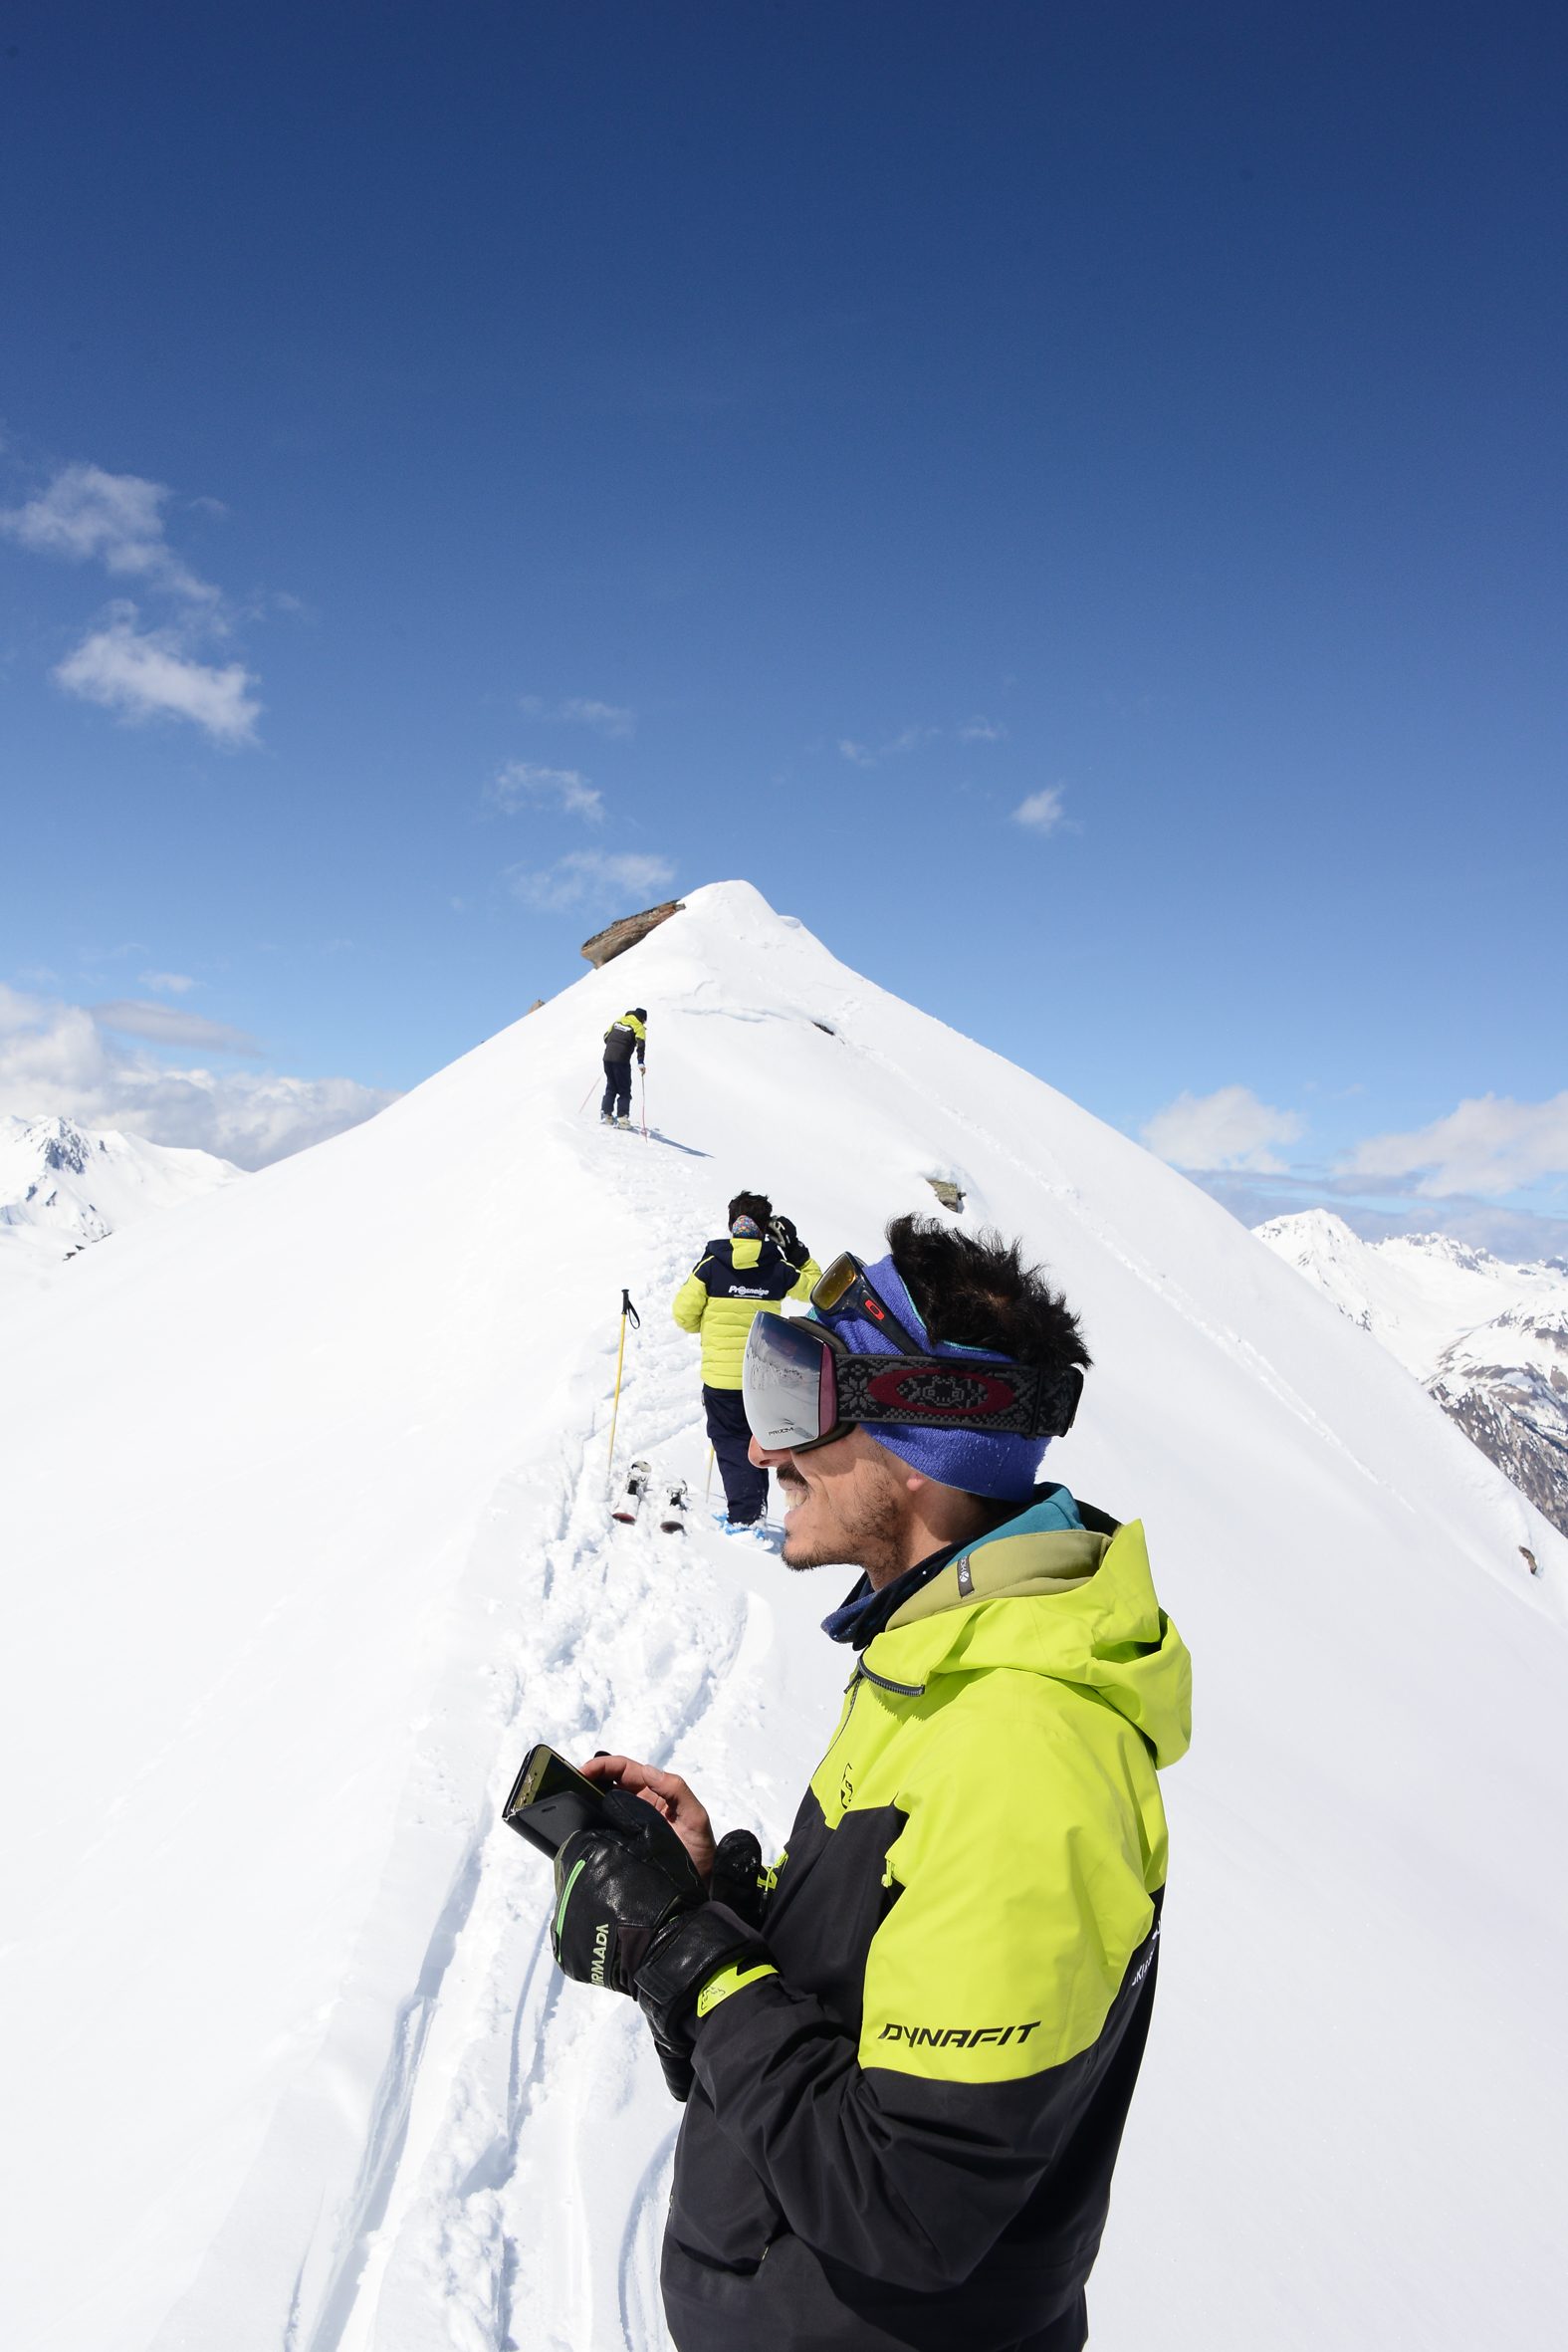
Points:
[(639, 1484)]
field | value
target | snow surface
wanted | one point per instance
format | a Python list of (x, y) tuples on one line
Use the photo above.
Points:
[(62, 1187), (305, 1543)]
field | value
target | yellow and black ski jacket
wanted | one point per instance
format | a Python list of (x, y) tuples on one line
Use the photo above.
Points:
[(623, 1036), (730, 1282), (904, 2131)]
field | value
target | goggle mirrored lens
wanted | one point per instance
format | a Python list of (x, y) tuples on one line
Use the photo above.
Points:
[(787, 1384)]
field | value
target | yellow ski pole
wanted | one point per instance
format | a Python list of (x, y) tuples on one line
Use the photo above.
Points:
[(707, 1493), (626, 1309)]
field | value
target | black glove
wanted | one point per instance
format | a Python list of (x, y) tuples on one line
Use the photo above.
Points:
[(628, 1916), (615, 1887), (738, 1880), (781, 1230)]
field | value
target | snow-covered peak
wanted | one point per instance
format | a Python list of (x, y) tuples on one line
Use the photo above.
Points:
[(63, 1186), (306, 1533), (1415, 1293)]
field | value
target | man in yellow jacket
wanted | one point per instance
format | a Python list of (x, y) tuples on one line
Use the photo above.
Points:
[(760, 1261), (908, 2048)]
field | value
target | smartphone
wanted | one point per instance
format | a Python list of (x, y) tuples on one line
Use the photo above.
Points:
[(550, 1801)]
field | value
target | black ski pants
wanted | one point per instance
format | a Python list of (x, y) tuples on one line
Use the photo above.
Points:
[(617, 1088), (745, 1485)]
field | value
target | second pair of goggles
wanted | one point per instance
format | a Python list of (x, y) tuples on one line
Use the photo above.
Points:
[(802, 1386)]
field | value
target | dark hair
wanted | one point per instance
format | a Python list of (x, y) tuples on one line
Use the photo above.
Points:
[(755, 1205), (974, 1290)]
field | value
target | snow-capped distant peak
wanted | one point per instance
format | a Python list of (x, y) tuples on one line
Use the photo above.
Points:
[(1487, 1340), (63, 1186)]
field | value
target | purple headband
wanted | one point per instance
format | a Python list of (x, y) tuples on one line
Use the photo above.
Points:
[(1006, 1469)]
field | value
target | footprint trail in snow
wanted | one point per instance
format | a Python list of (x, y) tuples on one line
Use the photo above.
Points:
[(525, 2203)]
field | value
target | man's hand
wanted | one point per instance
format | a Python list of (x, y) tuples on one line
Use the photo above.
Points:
[(629, 1916), (615, 1890), (781, 1230), (668, 1794)]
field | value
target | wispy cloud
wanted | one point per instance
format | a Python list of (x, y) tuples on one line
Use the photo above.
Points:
[(165, 1024), (1489, 1144), (148, 674), (174, 984), (979, 730), (589, 876), (116, 518), (1042, 811), (138, 672), (1229, 1128), (863, 756), (58, 1060), (520, 785), (606, 718)]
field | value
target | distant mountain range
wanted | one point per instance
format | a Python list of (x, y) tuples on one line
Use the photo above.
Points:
[(1487, 1339), (62, 1187)]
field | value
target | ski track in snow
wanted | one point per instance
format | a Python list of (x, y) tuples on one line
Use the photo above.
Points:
[(479, 2121)]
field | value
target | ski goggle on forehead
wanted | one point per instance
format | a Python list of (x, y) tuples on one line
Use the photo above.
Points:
[(802, 1386)]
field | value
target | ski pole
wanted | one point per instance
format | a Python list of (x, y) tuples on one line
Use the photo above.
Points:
[(583, 1105), (626, 1309), (643, 1076), (707, 1493)]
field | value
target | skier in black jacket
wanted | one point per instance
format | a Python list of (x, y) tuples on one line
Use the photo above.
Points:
[(621, 1037), (907, 2047)]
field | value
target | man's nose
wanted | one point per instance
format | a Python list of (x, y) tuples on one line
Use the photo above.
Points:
[(759, 1457)]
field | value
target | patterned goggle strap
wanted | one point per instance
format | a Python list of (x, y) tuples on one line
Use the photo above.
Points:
[(943, 1392)]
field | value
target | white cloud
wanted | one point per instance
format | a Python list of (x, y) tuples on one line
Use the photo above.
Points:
[(174, 984), (57, 1061), (519, 783), (864, 757), (165, 1024), (1042, 811), (149, 675), (1488, 1144), (1229, 1128), (607, 718), (116, 518), (586, 875)]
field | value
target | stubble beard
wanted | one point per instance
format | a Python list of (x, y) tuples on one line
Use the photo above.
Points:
[(870, 1537)]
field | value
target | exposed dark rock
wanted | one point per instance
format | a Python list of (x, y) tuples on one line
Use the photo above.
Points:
[(625, 932), (1519, 1420)]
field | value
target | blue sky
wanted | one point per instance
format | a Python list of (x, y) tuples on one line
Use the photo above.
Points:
[(470, 473)]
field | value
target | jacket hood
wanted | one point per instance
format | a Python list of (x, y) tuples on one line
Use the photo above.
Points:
[(1076, 1606)]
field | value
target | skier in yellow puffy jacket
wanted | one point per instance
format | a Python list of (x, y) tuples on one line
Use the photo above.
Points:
[(761, 1262)]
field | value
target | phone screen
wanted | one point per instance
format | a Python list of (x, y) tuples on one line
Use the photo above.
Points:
[(550, 1801)]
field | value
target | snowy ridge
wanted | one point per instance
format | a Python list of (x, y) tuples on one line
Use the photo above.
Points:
[(277, 2000), (1487, 1339), (63, 1187)]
